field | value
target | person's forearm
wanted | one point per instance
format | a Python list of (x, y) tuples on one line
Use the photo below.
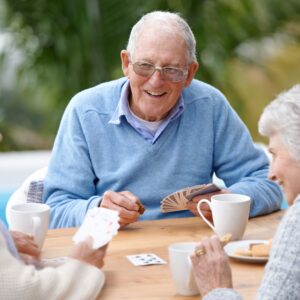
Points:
[(69, 212), (266, 196), (72, 280)]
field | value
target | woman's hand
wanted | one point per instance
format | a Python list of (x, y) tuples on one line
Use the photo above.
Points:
[(25, 244), (211, 266), (84, 252)]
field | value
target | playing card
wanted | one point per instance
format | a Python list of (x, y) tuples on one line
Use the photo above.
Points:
[(99, 223), (145, 259), (179, 199), (209, 188)]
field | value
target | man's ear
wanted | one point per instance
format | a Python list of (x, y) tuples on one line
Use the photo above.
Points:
[(125, 62), (193, 67)]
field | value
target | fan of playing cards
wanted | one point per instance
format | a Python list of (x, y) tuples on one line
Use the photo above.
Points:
[(99, 223), (178, 200)]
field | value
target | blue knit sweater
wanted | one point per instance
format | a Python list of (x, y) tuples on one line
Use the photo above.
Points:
[(91, 155)]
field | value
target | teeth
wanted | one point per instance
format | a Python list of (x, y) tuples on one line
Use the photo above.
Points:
[(155, 94)]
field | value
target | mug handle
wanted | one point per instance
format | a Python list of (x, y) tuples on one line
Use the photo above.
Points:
[(201, 214), (36, 225)]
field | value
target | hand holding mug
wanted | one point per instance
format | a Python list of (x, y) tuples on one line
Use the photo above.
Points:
[(31, 219), (25, 244)]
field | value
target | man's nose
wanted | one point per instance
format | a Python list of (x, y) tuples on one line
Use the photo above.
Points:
[(157, 75)]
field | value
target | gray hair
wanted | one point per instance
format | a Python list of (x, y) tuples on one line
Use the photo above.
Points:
[(282, 116), (168, 21)]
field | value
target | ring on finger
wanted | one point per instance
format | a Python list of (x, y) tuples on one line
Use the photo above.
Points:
[(199, 252)]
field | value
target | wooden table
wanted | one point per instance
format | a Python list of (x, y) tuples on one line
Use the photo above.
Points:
[(125, 281)]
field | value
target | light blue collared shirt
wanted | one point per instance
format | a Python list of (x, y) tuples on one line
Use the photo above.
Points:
[(123, 110), (9, 240)]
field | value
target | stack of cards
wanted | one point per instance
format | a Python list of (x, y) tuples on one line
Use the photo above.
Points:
[(99, 223), (178, 200)]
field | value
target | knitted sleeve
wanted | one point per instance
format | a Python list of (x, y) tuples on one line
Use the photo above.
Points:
[(222, 293), (282, 274), (73, 280)]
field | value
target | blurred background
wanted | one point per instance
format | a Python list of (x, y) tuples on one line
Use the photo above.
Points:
[(50, 50)]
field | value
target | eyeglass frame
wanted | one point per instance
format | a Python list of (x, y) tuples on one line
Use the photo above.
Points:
[(160, 69)]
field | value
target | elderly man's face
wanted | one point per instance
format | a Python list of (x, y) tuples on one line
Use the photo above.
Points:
[(153, 97), (284, 168)]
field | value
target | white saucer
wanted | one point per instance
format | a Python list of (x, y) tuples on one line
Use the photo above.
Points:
[(231, 247)]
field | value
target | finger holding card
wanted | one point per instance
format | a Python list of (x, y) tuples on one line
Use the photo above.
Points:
[(192, 205), (127, 204), (183, 199), (99, 223), (197, 198), (84, 252)]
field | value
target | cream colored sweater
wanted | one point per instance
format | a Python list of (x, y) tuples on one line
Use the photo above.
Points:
[(73, 280)]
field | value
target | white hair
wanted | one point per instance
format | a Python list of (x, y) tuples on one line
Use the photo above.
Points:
[(282, 117), (168, 22)]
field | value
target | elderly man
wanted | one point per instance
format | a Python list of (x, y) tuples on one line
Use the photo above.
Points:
[(157, 130)]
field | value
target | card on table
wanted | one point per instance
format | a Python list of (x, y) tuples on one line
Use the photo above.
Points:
[(99, 223), (145, 259)]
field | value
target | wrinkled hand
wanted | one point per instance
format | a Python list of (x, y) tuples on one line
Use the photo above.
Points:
[(212, 269), (192, 205), (84, 252), (123, 202), (25, 244)]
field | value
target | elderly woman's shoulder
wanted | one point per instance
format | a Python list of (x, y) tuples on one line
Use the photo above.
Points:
[(293, 212), (297, 200)]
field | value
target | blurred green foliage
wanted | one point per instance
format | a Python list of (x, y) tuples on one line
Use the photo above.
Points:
[(69, 45)]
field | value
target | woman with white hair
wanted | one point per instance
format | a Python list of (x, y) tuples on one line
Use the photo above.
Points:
[(280, 121)]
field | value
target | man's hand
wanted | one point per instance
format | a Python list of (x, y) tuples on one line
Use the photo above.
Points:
[(192, 205), (125, 203), (25, 244)]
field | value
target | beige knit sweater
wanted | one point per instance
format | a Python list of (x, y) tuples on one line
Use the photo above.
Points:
[(72, 280)]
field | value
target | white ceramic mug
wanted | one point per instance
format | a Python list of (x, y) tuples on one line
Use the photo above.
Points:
[(30, 218), (181, 268), (230, 214)]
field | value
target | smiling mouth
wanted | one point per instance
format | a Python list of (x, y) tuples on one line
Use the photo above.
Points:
[(156, 94)]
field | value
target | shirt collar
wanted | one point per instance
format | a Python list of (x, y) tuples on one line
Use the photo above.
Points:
[(123, 110)]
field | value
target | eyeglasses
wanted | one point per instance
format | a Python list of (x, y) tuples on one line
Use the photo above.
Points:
[(168, 73)]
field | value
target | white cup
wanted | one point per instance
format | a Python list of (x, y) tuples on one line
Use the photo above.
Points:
[(181, 268), (230, 214), (30, 218)]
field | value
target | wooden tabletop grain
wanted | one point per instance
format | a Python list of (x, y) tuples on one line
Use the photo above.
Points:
[(125, 281)]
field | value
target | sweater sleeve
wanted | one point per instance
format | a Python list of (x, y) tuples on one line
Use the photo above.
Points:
[(240, 163), (69, 181), (282, 274), (222, 293), (73, 280)]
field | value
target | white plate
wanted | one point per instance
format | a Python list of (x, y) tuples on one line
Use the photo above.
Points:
[(231, 247)]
